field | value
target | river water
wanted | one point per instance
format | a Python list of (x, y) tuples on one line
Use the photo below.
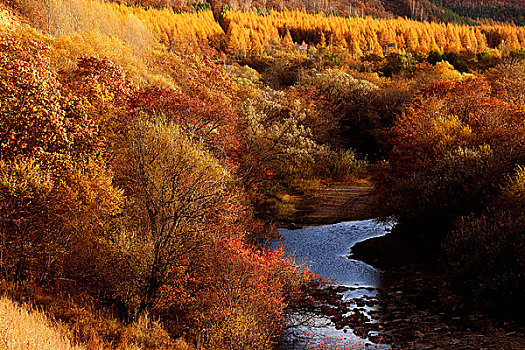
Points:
[(325, 250)]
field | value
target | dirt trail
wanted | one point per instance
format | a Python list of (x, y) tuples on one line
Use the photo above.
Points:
[(339, 202)]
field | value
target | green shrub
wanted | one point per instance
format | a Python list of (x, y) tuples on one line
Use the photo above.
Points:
[(278, 139), (243, 75), (399, 64)]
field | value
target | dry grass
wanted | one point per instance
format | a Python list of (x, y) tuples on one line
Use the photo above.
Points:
[(78, 319), (7, 19), (23, 328)]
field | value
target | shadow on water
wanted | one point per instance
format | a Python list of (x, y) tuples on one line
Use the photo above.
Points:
[(325, 249)]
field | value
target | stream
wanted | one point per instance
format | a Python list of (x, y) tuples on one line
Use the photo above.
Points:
[(325, 250)]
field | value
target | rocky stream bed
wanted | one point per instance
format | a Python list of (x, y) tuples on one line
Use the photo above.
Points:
[(402, 304), (398, 308)]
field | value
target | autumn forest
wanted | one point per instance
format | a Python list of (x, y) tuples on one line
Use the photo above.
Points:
[(147, 151)]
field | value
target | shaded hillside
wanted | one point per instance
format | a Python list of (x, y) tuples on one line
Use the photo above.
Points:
[(350, 7), (478, 3), (455, 11), (508, 11)]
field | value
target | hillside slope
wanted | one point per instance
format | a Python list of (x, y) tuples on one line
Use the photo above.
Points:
[(434, 10), (502, 10)]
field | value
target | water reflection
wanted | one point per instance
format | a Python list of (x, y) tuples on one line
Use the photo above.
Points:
[(325, 250)]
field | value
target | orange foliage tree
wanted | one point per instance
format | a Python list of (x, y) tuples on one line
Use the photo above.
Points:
[(53, 181), (172, 233), (450, 153), (364, 35)]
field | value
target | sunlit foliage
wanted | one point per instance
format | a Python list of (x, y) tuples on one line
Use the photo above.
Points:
[(136, 142), (357, 35), (120, 184), (135, 26), (53, 179), (451, 152)]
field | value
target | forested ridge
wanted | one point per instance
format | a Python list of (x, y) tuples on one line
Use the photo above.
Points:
[(147, 152), (454, 11)]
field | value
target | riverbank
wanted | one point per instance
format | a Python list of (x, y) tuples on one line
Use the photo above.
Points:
[(337, 202), (422, 312), (420, 309)]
